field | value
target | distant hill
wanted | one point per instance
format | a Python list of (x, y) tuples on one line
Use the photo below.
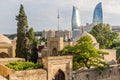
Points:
[(12, 36)]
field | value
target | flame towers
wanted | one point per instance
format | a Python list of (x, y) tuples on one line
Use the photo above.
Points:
[(75, 23), (75, 18), (98, 14)]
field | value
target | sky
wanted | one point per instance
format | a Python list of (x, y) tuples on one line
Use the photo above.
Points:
[(42, 14)]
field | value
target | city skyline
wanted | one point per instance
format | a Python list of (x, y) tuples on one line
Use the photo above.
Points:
[(43, 14)]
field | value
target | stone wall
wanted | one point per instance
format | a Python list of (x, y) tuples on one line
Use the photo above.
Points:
[(111, 73), (36, 74), (111, 57), (8, 60), (56, 64), (8, 48), (5, 71)]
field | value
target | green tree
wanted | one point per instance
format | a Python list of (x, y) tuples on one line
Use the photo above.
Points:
[(84, 54), (22, 40), (32, 46), (104, 35), (116, 46), (34, 51), (26, 46)]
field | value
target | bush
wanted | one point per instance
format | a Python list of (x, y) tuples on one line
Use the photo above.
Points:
[(17, 66)]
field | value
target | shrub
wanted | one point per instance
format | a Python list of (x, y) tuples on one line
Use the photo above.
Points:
[(17, 66)]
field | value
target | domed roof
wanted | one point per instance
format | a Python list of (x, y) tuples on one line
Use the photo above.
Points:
[(4, 39), (88, 34), (84, 34)]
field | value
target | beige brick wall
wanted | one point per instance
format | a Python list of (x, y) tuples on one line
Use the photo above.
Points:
[(53, 64), (36, 74), (111, 57), (5, 71), (8, 60)]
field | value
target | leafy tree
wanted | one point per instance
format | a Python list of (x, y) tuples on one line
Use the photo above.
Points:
[(84, 54), (116, 46), (22, 40), (34, 51), (104, 35), (26, 42), (32, 45)]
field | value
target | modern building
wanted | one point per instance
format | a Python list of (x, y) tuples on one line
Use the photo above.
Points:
[(75, 18), (97, 18), (76, 24), (98, 14)]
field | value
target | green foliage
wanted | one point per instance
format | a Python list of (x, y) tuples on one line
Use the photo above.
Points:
[(32, 46), (84, 54), (17, 66), (116, 46), (34, 51), (104, 35), (102, 68), (26, 46), (21, 33)]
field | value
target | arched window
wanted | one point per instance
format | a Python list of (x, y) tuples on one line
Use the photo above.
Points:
[(3, 55), (60, 75)]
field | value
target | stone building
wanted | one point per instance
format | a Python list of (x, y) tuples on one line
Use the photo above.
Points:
[(52, 33), (7, 47), (56, 44)]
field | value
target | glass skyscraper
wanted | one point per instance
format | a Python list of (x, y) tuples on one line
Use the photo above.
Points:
[(75, 23), (98, 14), (75, 18)]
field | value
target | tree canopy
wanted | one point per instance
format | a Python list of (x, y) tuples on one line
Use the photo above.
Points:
[(84, 54), (26, 46), (103, 34), (21, 33)]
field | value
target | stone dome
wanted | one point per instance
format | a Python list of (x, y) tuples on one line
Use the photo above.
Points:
[(84, 34), (4, 39), (88, 34)]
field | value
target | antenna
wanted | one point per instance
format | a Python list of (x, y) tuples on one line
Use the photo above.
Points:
[(58, 17)]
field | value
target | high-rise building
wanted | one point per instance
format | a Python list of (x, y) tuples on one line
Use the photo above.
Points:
[(98, 14), (75, 18)]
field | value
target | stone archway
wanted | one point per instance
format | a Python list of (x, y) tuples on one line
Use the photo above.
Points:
[(3, 55), (60, 75), (54, 52)]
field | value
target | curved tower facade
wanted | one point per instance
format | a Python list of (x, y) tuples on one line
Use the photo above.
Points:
[(75, 18), (98, 14)]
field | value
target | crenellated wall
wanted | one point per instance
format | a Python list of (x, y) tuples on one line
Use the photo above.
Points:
[(111, 73)]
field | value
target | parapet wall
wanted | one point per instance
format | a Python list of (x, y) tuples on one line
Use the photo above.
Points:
[(111, 73), (5, 61), (5, 71), (36, 74)]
